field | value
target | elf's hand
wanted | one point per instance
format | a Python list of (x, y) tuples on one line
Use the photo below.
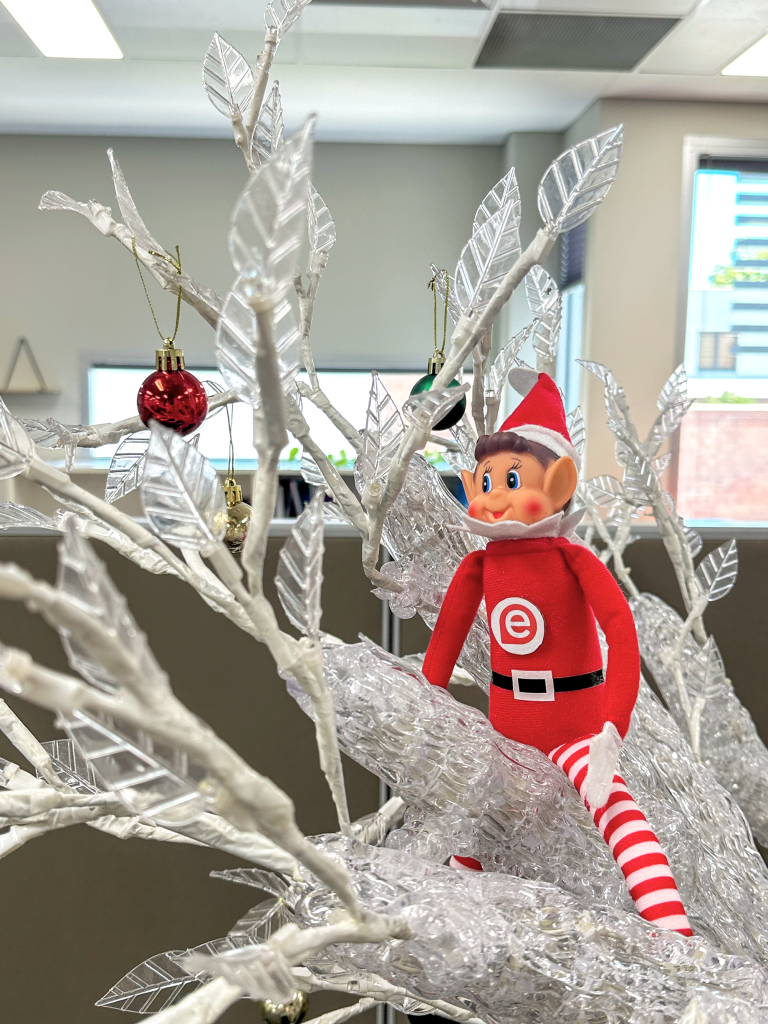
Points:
[(603, 757)]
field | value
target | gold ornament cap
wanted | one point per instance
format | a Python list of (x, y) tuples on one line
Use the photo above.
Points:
[(436, 363), (233, 492), (169, 357)]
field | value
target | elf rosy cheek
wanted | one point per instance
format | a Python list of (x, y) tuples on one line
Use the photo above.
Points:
[(534, 506), (476, 508)]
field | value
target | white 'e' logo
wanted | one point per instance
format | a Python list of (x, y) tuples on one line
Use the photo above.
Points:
[(523, 625)]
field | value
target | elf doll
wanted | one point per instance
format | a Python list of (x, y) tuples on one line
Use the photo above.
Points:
[(543, 593)]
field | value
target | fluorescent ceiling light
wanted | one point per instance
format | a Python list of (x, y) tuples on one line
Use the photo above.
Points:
[(753, 61), (65, 28)]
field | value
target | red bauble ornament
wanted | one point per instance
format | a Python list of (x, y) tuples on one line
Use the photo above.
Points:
[(172, 395)]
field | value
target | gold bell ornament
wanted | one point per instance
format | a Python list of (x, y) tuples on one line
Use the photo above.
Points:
[(292, 1012), (238, 513)]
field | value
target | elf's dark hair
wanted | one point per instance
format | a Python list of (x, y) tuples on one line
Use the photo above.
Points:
[(509, 441)]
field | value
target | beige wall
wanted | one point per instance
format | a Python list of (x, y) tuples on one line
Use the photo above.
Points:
[(77, 296), (635, 250)]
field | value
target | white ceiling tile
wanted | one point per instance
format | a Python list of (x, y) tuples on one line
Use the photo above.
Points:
[(709, 38), (641, 8)]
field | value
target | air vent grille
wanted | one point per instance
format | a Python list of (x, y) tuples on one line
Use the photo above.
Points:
[(574, 41)]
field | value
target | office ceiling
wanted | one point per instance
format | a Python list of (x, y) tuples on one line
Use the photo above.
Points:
[(449, 71)]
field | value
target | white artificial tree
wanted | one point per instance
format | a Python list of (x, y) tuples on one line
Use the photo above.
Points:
[(548, 930)]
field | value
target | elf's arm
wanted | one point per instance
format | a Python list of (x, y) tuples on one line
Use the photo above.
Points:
[(622, 674), (457, 613)]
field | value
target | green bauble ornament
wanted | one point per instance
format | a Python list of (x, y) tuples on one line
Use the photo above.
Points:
[(425, 383)]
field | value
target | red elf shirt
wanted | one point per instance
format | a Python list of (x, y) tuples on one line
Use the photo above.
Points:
[(542, 597)]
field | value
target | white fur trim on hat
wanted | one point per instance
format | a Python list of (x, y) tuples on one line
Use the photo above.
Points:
[(550, 439)]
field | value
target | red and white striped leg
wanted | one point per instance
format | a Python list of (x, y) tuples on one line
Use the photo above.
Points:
[(633, 844)]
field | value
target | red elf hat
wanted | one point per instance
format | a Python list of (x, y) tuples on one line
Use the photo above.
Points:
[(540, 416)]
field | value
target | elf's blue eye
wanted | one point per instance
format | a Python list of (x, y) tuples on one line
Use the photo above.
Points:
[(486, 482), (513, 480)]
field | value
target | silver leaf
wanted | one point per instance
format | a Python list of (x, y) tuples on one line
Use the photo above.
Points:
[(442, 280), (267, 136), (83, 577), (322, 230), (503, 193), (577, 429), (17, 448), (12, 515), (238, 338), (427, 408), (227, 77), (383, 433), (299, 577), (280, 15), (577, 182), (541, 291), (181, 494), (127, 466), (716, 574), (486, 258), (131, 216)]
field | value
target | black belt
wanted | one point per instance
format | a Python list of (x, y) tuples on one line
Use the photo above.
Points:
[(561, 685)]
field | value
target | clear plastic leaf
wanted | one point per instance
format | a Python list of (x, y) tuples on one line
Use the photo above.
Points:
[(427, 408), (13, 515), (716, 574), (705, 674), (130, 214), (465, 458), (310, 474), (661, 462), (675, 390), (227, 77), (603, 374), (260, 923), (299, 577), (127, 466), (605, 491), (267, 136), (694, 541), (61, 201), (180, 492), (546, 334), (282, 14), (237, 340), (148, 778), (442, 280), (503, 193), (505, 360), (322, 230), (269, 221), (261, 971), (639, 480), (152, 986), (577, 429), (212, 388), (16, 446), (258, 878), (541, 291), (577, 182), (83, 577), (665, 424), (383, 433), (71, 767), (488, 255)]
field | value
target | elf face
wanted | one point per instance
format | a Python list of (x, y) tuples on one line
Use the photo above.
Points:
[(515, 486)]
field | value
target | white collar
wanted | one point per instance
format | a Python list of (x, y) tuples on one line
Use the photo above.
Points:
[(558, 525)]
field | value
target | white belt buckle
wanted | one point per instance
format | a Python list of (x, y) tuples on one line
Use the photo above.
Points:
[(549, 692)]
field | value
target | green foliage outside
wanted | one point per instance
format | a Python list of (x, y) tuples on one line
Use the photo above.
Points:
[(727, 398), (726, 276)]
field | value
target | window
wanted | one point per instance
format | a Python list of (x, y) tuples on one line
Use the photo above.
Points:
[(112, 396), (726, 345)]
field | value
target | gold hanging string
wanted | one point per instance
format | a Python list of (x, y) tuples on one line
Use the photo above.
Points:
[(176, 264), (433, 285), (231, 459)]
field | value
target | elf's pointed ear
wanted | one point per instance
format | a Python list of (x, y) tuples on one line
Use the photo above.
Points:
[(560, 481), (468, 479)]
